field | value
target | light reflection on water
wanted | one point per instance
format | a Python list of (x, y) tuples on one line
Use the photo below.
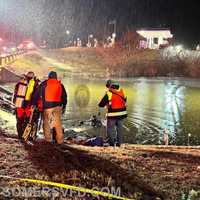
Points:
[(153, 105)]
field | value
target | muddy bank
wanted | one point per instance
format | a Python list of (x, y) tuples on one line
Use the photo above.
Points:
[(73, 166), (142, 172)]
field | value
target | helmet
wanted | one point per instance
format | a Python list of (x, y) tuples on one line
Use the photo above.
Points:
[(52, 74), (30, 75), (115, 85), (108, 83)]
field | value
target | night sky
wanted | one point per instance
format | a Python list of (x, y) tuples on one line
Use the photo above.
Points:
[(49, 19)]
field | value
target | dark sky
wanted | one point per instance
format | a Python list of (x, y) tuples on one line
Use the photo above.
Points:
[(49, 19)]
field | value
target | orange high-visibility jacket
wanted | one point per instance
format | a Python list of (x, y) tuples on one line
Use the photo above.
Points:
[(53, 91), (117, 103)]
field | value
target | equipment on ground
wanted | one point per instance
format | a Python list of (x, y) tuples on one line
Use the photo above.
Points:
[(94, 121), (31, 128), (6, 100)]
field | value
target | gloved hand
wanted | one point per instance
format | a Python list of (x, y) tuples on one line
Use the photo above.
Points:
[(99, 112)]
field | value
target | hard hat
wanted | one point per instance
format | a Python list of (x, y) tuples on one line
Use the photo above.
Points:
[(108, 83), (30, 75), (115, 84)]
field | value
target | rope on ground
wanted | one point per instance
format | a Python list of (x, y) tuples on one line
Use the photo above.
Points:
[(71, 187)]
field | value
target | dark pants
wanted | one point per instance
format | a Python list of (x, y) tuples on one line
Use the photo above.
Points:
[(22, 117), (114, 131)]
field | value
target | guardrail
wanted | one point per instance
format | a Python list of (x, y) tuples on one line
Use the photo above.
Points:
[(9, 58)]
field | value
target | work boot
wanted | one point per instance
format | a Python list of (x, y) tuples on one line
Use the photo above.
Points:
[(21, 140), (20, 130), (118, 144), (54, 141)]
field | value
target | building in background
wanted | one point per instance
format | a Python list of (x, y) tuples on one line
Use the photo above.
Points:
[(154, 38), (198, 47)]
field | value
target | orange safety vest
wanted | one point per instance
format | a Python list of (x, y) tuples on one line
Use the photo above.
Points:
[(53, 91), (117, 103)]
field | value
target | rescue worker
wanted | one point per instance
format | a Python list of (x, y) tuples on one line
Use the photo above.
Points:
[(115, 101), (53, 95), (22, 100)]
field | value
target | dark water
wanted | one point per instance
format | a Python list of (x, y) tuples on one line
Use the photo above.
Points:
[(153, 105)]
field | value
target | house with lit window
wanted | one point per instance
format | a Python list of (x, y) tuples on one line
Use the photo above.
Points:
[(154, 38)]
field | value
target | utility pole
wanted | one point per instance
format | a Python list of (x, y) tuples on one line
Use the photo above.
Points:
[(114, 23), (189, 136), (115, 26)]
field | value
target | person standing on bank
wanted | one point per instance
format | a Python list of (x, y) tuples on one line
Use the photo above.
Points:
[(115, 101), (22, 98), (54, 100)]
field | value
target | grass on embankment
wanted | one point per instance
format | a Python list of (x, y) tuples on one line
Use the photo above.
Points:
[(151, 63), (104, 62), (32, 61), (77, 57), (110, 62), (121, 62), (70, 62), (82, 62)]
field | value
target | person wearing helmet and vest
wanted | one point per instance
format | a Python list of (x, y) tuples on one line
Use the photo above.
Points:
[(22, 101), (115, 101), (53, 95)]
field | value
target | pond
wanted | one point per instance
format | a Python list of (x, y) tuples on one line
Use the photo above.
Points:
[(153, 105)]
